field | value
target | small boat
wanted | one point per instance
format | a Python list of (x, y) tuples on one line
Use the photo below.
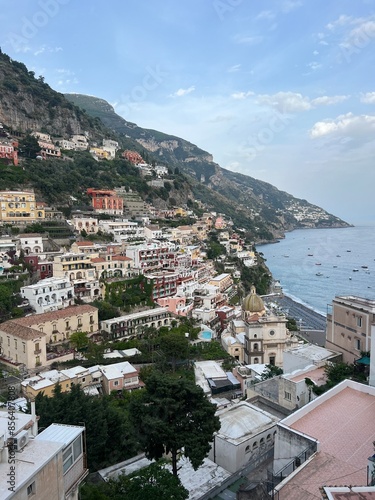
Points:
[(338, 255), (319, 274), (318, 264), (348, 250), (334, 266), (310, 255), (355, 270), (350, 278), (285, 255), (364, 267)]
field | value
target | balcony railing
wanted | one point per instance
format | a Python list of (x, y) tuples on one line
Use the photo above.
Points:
[(37, 351)]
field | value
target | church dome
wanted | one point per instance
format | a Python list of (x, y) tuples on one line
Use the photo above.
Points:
[(253, 303)]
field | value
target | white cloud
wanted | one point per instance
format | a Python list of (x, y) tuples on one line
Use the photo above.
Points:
[(368, 98), (242, 95), (292, 102), (248, 39), (329, 100), (289, 5), (315, 53), (182, 92), (234, 68), (342, 20), (314, 65), (266, 14), (349, 126)]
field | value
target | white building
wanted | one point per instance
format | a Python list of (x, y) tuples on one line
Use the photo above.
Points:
[(31, 243), (49, 294), (246, 433), (122, 230), (45, 466)]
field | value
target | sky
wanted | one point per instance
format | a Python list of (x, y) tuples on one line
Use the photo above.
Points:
[(280, 90)]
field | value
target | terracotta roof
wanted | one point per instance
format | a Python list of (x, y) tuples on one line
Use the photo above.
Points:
[(96, 260), (36, 319), (121, 257), (345, 427), (23, 332)]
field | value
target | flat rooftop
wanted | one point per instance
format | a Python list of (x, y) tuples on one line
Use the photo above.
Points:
[(317, 375), (343, 422), (243, 420)]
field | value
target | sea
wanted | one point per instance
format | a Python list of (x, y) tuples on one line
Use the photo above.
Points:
[(315, 265)]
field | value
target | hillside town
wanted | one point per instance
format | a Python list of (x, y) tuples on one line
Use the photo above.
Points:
[(161, 276), (90, 301)]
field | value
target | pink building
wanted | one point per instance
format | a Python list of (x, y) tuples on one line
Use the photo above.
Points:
[(120, 376), (176, 305)]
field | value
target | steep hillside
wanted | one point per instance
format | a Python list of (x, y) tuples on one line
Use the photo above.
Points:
[(246, 197), (28, 103)]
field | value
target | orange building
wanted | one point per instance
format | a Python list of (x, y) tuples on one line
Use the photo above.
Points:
[(132, 156), (106, 201)]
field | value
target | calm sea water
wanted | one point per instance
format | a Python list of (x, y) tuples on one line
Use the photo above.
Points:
[(315, 265)]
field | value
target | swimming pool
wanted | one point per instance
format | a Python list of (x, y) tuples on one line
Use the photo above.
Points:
[(206, 335)]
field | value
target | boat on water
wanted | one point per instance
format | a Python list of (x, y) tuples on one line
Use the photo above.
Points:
[(364, 267), (348, 250), (338, 255), (285, 255), (334, 266), (319, 274), (310, 255), (318, 264), (355, 270)]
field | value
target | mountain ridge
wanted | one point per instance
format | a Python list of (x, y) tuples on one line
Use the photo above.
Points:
[(29, 104)]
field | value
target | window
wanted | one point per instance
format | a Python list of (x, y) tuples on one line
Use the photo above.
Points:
[(15, 343), (272, 359), (31, 489), (358, 344), (23, 347), (287, 395), (272, 332), (359, 321), (256, 347), (115, 382)]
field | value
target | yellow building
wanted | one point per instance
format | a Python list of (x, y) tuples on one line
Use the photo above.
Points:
[(19, 207), (22, 345)]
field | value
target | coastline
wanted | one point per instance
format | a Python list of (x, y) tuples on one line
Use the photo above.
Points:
[(307, 317)]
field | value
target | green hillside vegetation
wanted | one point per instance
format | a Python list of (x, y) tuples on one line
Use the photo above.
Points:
[(28, 103)]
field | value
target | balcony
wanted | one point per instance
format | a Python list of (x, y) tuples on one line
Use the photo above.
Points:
[(37, 351)]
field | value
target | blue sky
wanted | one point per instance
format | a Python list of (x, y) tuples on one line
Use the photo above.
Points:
[(283, 91)]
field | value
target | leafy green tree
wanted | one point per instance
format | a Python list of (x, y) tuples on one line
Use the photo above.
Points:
[(173, 416), (29, 147), (109, 435), (337, 372), (154, 481), (175, 347), (271, 371), (79, 340)]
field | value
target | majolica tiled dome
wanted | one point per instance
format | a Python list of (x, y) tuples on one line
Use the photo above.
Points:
[(253, 303)]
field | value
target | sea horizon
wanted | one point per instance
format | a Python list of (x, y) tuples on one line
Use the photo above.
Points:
[(314, 266)]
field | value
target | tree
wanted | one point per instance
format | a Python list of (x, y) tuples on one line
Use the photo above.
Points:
[(79, 340), (173, 416), (29, 147), (154, 481), (271, 371), (175, 347)]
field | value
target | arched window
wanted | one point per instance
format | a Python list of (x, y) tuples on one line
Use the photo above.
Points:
[(255, 445), (255, 336), (256, 361), (247, 449)]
